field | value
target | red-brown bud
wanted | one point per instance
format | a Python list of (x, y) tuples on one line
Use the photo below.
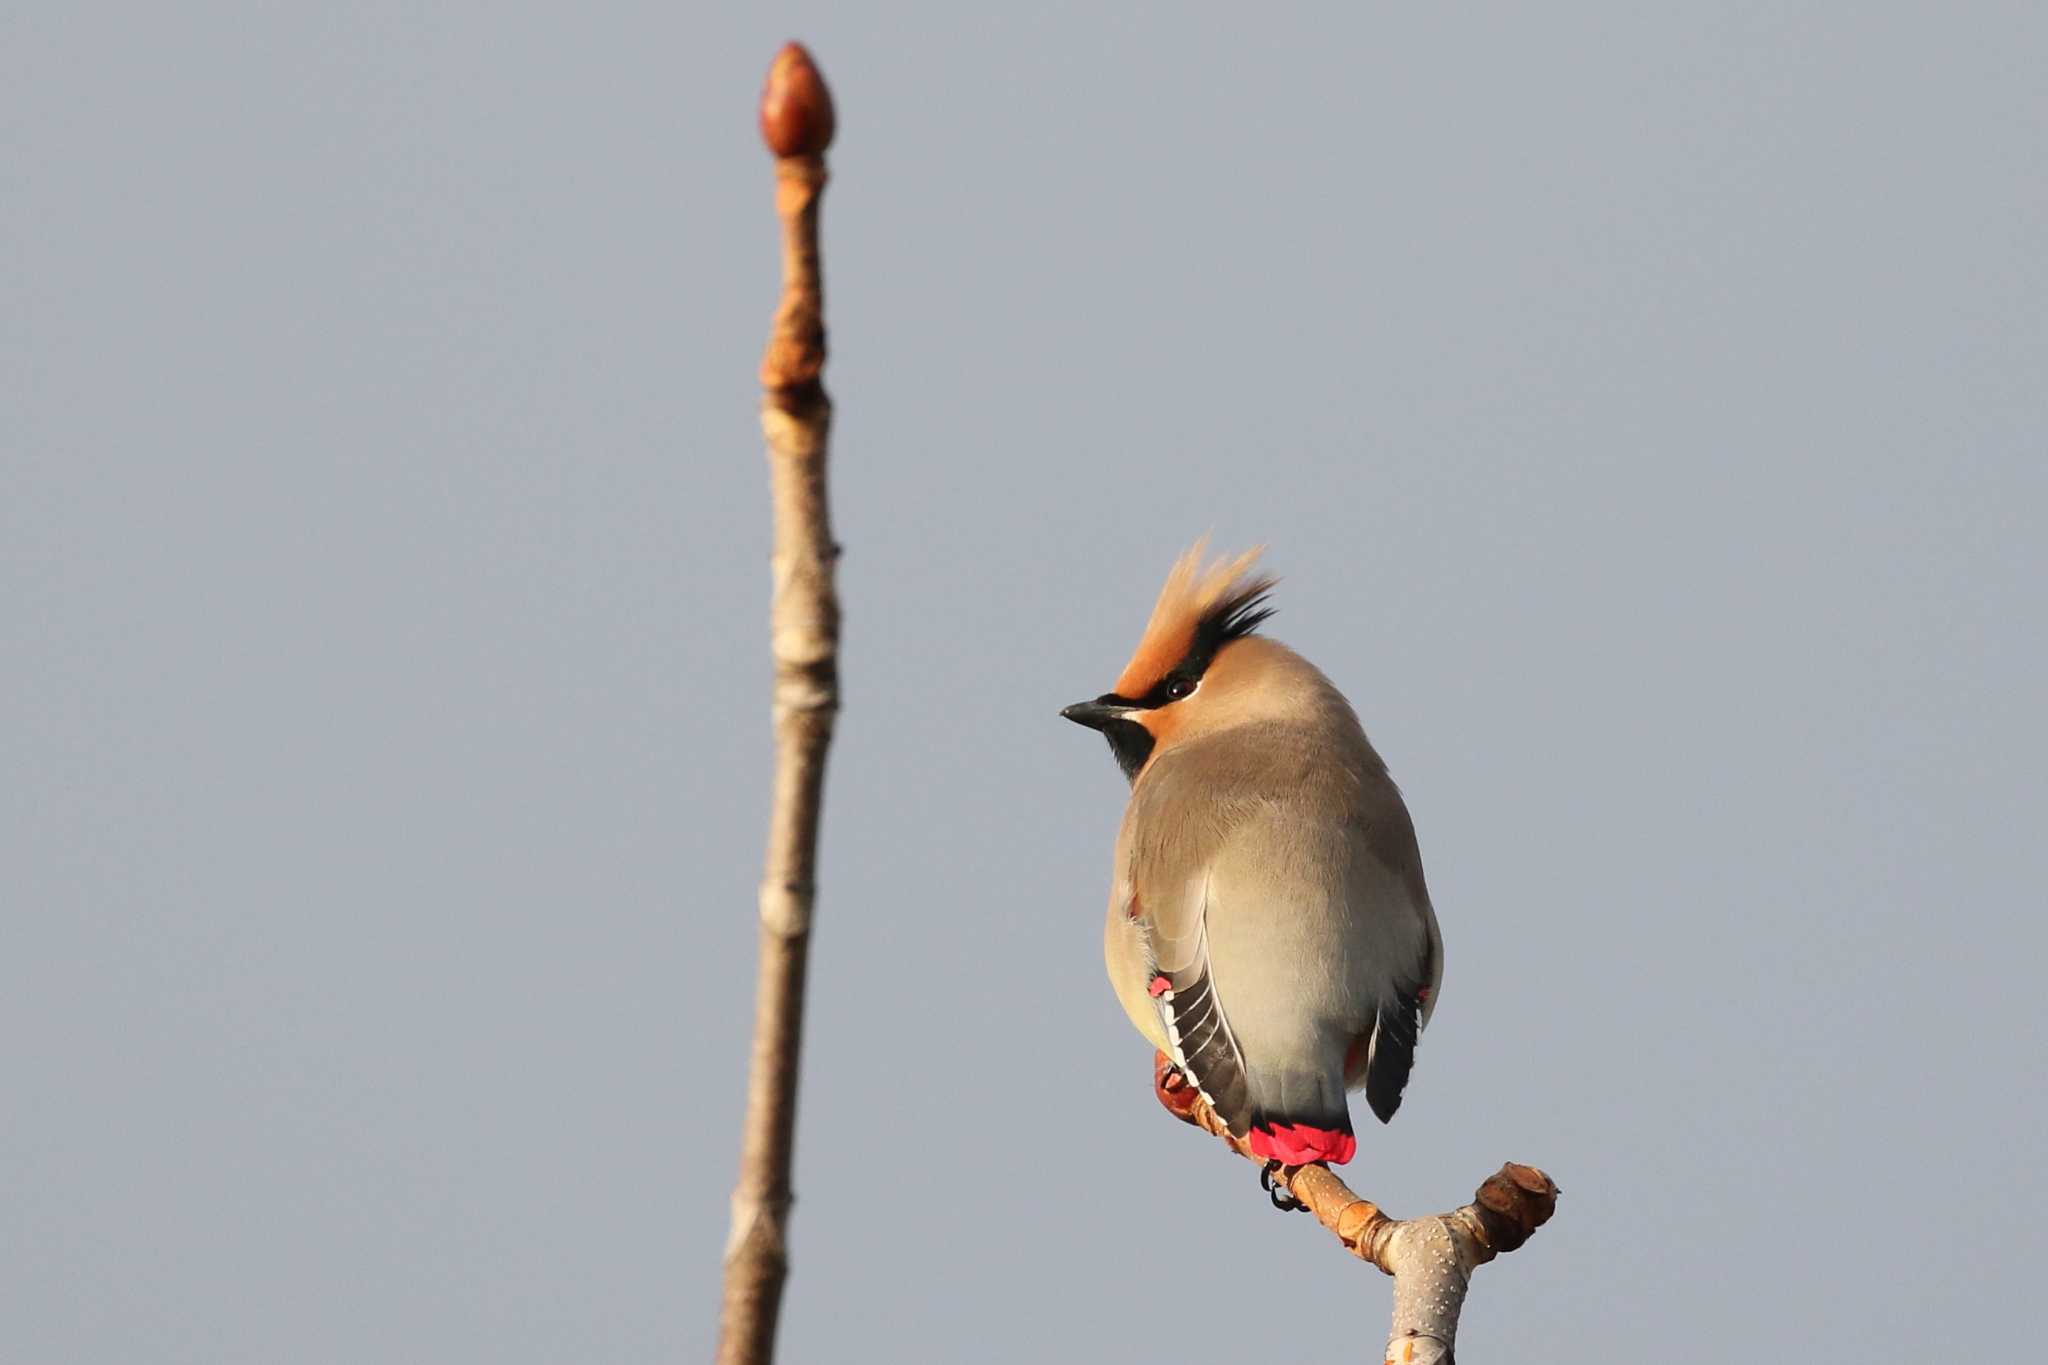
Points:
[(796, 108)]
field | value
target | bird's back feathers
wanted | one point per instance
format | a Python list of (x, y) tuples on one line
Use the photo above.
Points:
[(1270, 876)]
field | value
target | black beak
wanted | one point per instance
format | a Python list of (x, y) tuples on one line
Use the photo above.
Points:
[(1099, 714)]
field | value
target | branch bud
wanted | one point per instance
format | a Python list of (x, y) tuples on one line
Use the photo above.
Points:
[(796, 108)]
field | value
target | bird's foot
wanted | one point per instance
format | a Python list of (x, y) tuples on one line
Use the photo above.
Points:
[(1173, 1088), (1282, 1199)]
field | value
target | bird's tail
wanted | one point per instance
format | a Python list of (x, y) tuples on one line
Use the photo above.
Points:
[(1299, 1116)]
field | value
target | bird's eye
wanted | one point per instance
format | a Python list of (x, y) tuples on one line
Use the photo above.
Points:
[(1178, 688)]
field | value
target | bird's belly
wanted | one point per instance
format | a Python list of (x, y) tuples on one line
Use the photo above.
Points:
[(1123, 951)]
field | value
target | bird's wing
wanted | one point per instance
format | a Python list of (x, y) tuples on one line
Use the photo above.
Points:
[(1386, 869), (1168, 845)]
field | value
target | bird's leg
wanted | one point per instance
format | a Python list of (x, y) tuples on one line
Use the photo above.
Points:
[(1173, 1088), (1282, 1199)]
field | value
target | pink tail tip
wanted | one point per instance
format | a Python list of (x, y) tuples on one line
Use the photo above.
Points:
[(1297, 1144)]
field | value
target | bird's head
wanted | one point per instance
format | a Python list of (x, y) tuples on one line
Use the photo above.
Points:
[(1196, 667)]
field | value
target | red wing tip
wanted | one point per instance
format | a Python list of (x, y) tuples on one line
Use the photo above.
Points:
[(1297, 1144)]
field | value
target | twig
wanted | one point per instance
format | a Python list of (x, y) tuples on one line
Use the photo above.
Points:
[(1431, 1258), (796, 415)]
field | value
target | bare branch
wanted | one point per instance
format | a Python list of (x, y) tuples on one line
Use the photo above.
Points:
[(796, 417), (1430, 1258)]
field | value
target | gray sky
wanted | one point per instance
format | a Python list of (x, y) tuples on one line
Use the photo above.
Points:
[(1646, 411)]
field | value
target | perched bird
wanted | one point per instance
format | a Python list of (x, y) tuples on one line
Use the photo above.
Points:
[(1268, 924)]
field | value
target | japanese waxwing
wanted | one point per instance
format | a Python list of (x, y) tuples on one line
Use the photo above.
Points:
[(1268, 926)]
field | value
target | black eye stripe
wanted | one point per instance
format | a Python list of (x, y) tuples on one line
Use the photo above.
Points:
[(1175, 686)]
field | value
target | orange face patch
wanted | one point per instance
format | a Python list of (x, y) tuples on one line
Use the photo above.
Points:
[(1162, 724)]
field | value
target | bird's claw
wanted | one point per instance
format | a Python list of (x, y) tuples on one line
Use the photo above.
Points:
[(1282, 1198)]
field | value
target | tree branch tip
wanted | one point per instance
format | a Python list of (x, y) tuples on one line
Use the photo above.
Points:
[(797, 122), (797, 118), (1514, 1202)]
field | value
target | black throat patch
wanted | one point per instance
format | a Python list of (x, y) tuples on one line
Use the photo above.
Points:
[(1131, 743)]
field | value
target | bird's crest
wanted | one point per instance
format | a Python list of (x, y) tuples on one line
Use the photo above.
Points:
[(1200, 609)]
